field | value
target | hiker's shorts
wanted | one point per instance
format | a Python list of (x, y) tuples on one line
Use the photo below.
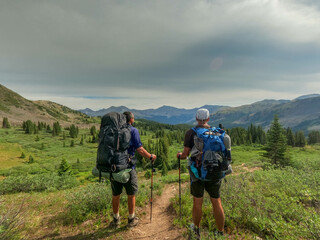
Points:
[(212, 187), (131, 186)]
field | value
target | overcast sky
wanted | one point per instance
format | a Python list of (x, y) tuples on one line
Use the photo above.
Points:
[(145, 54)]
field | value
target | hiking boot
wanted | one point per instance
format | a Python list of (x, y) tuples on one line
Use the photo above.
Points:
[(218, 233), (115, 223), (133, 221), (194, 232)]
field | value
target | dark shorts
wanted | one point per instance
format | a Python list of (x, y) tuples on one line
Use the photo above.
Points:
[(131, 186), (212, 187)]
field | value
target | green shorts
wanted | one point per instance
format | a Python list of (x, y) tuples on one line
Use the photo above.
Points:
[(131, 186), (212, 187)]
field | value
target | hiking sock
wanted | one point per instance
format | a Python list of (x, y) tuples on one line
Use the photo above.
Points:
[(116, 215), (131, 216)]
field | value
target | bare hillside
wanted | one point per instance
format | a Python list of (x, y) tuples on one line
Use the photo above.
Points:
[(18, 109)]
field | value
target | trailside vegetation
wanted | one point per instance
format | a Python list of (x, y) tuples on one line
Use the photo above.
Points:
[(270, 201)]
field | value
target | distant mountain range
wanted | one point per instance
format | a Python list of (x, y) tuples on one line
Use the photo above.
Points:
[(164, 114), (302, 113)]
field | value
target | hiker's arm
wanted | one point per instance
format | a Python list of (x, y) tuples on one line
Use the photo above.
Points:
[(184, 154), (144, 153)]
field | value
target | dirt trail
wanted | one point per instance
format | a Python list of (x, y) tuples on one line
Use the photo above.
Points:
[(161, 226)]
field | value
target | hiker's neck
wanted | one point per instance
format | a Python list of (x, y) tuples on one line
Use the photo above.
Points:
[(203, 125)]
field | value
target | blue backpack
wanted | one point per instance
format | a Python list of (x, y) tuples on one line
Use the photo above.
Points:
[(209, 154)]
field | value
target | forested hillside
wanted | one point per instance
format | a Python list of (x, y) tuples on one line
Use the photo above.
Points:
[(299, 114)]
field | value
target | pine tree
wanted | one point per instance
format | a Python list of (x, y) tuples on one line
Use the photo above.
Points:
[(314, 137), (23, 155), (5, 123), (276, 146), (37, 139), (56, 129), (73, 131), (31, 159), (300, 140), (93, 130), (164, 171), (290, 137), (29, 127), (64, 167), (39, 126)]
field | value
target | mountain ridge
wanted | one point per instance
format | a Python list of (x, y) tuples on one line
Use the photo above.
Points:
[(19, 109), (164, 114), (301, 113)]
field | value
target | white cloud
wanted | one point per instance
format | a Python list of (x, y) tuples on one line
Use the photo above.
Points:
[(164, 51)]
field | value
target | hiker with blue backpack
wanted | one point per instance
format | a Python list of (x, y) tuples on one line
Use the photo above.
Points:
[(118, 142), (210, 157)]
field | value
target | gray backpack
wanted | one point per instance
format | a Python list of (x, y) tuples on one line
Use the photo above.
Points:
[(114, 141)]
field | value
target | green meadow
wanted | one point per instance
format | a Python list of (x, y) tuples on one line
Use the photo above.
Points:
[(260, 201)]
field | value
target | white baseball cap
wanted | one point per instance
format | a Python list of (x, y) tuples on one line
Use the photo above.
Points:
[(202, 114)]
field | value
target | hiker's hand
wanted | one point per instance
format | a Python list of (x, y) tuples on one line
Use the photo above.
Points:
[(179, 154), (154, 157)]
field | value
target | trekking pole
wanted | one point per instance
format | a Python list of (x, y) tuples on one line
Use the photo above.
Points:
[(152, 170), (179, 183)]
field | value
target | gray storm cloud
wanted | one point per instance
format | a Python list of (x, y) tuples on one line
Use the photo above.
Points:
[(115, 48)]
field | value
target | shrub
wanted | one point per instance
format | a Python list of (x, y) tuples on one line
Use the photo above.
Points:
[(10, 219), (274, 204), (184, 168), (31, 159), (147, 175), (37, 183), (93, 198)]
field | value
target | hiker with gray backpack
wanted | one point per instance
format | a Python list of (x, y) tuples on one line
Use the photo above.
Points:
[(210, 157), (118, 142)]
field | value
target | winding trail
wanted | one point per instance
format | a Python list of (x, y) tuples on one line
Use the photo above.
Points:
[(161, 226)]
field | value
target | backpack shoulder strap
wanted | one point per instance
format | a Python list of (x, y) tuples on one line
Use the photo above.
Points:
[(199, 131)]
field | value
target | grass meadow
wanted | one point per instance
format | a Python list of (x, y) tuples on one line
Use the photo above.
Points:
[(260, 202)]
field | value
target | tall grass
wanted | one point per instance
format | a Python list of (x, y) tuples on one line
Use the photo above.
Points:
[(274, 204)]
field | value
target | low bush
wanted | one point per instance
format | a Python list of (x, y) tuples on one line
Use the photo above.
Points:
[(172, 178), (10, 220), (275, 204), (96, 198), (37, 183), (93, 198)]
